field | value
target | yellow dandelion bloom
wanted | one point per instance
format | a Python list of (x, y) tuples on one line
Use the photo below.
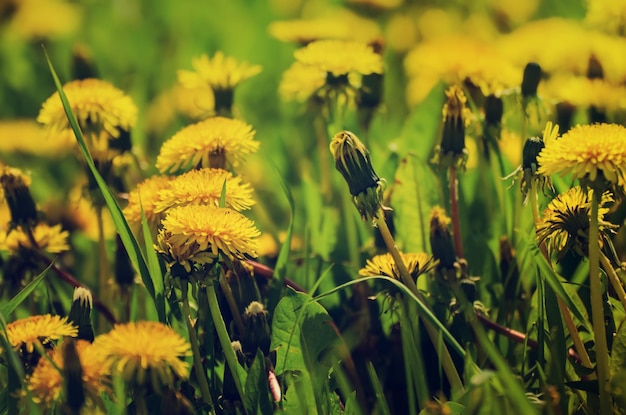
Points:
[(40, 329), (46, 383), (299, 82), (456, 59), (212, 229), (209, 143), (31, 19), (204, 186), (587, 151), (581, 91), (99, 107), (340, 24), (145, 352), (340, 57), (145, 196), (219, 73), (607, 15), (416, 263), (52, 239), (564, 225), (28, 137)]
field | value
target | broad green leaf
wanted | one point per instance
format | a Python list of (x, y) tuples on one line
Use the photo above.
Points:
[(126, 235), (257, 399), (9, 307)]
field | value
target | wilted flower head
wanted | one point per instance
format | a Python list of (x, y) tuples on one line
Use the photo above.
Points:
[(352, 159), (104, 113), (214, 142), (155, 354), (595, 154), (39, 329), (46, 382), (441, 242), (564, 225), (204, 187), (416, 263), (198, 233)]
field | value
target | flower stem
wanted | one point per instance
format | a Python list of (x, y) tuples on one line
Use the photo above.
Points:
[(222, 334), (597, 307), (103, 264), (197, 359), (444, 354), (454, 212), (615, 281), (232, 304)]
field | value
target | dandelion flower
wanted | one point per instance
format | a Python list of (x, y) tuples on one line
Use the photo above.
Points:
[(416, 263), (46, 383), (145, 352), (204, 186), (52, 239), (101, 109), (196, 229), (340, 57), (300, 82), (31, 19), (145, 196), (565, 222), (28, 137), (220, 72), (213, 142), (40, 329), (589, 152)]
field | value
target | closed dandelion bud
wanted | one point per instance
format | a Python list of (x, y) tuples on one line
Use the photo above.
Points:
[(452, 151), (352, 159), (494, 109), (73, 376), (532, 148), (257, 329), (15, 190), (80, 313), (530, 81), (441, 243)]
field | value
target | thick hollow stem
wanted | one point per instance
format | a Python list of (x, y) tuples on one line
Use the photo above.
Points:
[(195, 349), (444, 354), (597, 308), (454, 212), (224, 338)]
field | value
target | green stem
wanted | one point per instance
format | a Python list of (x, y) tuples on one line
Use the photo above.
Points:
[(197, 359), (444, 354), (454, 211), (224, 338), (103, 265), (232, 304), (597, 307), (614, 278)]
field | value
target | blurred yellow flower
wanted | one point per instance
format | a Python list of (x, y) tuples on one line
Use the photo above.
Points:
[(416, 263), (589, 152), (39, 329), (204, 186), (32, 20), (214, 142), (607, 15), (46, 382), (340, 57), (28, 137), (52, 239), (581, 91), (564, 225), (219, 73), (145, 352), (195, 229), (145, 196), (299, 82)]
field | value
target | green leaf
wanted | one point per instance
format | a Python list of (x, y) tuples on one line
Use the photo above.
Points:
[(618, 367), (257, 390), (9, 307), (126, 235)]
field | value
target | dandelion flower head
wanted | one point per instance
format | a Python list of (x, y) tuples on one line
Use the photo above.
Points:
[(209, 143), (219, 73), (587, 152), (96, 103), (204, 186), (31, 19), (39, 329), (564, 225), (46, 382), (145, 352), (416, 263), (340, 57), (28, 137), (52, 239), (145, 196)]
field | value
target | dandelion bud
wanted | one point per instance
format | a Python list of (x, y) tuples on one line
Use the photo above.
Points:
[(494, 108), (73, 376), (15, 188), (530, 81), (452, 151), (80, 313), (224, 101), (441, 242), (532, 148), (353, 162), (257, 330)]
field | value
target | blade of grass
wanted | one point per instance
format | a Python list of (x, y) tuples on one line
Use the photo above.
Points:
[(126, 235), (9, 307), (383, 408), (154, 268)]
